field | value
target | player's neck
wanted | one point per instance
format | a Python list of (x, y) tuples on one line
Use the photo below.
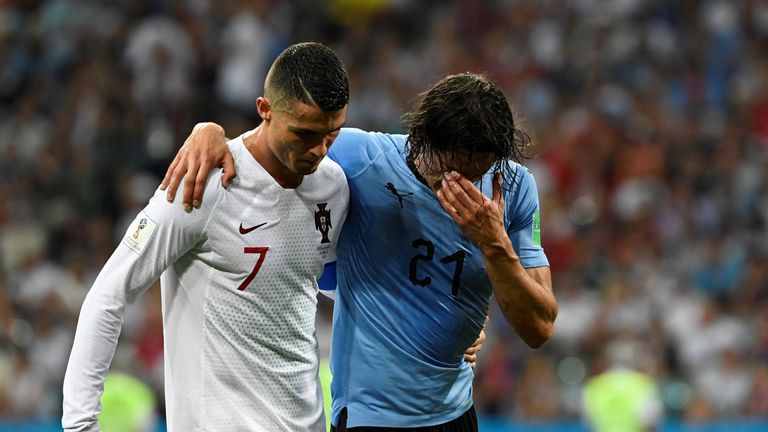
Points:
[(418, 168), (257, 146)]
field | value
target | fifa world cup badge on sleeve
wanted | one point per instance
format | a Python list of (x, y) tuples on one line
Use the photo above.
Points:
[(139, 233)]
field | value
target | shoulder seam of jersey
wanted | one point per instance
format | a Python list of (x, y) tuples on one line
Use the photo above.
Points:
[(372, 161), (335, 170)]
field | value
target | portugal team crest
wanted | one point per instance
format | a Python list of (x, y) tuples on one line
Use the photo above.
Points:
[(323, 221)]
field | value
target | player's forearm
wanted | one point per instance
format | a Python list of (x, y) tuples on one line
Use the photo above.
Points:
[(97, 334), (122, 279), (528, 305)]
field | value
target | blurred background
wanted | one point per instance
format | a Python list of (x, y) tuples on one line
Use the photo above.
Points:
[(651, 124)]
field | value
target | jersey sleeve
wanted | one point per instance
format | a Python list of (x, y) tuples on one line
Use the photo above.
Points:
[(327, 282), (522, 218), (160, 234)]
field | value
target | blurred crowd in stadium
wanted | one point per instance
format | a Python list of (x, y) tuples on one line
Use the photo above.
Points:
[(651, 124)]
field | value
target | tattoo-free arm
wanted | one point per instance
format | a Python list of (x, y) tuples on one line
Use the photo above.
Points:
[(524, 295)]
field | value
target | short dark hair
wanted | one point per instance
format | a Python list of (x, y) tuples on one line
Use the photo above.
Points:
[(311, 73), (464, 113)]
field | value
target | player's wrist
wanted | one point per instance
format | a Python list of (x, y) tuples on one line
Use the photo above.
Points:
[(498, 248)]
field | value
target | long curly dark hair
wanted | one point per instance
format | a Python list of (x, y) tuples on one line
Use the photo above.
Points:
[(464, 114)]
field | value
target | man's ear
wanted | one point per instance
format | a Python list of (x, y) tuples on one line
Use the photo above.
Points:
[(264, 108)]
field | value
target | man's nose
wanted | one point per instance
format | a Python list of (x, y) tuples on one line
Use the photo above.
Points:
[(321, 149)]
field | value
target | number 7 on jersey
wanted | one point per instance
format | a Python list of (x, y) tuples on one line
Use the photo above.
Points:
[(262, 251)]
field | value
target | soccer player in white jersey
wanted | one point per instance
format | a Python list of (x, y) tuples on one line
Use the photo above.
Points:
[(440, 220), (239, 274)]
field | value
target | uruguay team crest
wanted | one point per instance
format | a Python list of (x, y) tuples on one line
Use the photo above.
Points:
[(323, 221)]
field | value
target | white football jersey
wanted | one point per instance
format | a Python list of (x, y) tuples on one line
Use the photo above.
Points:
[(239, 299)]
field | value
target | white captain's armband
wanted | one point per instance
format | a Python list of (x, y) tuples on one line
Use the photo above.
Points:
[(139, 233)]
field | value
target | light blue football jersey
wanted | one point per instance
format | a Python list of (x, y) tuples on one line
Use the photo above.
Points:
[(412, 288)]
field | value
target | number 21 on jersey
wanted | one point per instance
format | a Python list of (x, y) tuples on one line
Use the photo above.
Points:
[(457, 257)]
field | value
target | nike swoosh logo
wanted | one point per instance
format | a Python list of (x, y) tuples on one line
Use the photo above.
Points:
[(247, 230)]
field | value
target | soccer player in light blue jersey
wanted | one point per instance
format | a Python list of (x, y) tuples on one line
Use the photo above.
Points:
[(440, 220)]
